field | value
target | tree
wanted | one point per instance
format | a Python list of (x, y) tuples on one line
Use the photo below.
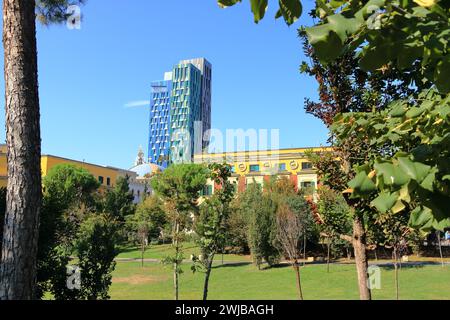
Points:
[(259, 209), (335, 217), (211, 224), (179, 187), (69, 192), (96, 249), (20, 238), (148, 221), (119, 200), (294, 222)]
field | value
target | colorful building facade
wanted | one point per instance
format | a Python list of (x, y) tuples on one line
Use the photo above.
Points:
[(259, 166), (180, 113)]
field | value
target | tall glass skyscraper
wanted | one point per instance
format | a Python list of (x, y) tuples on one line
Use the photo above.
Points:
[(180, 113)]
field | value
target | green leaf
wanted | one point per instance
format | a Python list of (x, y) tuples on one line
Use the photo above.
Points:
[(291, 10), (326, 43), (259, 8), (442, 75), (391, 175), (385, 201), (227, 3), (361, 184), (421, 218), (416, 170)]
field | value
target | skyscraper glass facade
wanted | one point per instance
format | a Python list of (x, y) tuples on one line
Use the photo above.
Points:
[(180, 113), (159, 141)]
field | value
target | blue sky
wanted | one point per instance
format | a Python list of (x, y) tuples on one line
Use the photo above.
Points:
[(88, 76)]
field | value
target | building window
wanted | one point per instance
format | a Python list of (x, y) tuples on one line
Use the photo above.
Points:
[(100, 179), (282, 166), (207, 190), (306, 165), (108, 181), (308, 184), (254, 168)]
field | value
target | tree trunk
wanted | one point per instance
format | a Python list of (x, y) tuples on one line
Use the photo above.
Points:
[(207, 275), (359, 245), (23, 200), (328, 255), (299, 284), (438, 234), (175, 264), (304, 249), (396, 272), (142, 250)]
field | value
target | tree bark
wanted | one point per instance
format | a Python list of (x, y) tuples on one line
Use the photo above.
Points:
[(396, 271), (328, 255), (438, 234), (23, 200), (175, 265), (207, 275), (299, 284), (359, 245)]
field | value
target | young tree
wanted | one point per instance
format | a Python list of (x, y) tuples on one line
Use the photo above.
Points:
[(179, 187), (294, 223), (96, 249), (23, 200), (211, 224), (260, 211), (148, 221), (335, 217), (119, 200)]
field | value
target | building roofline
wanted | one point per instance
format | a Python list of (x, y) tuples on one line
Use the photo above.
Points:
[(260, 151), (84, 162)]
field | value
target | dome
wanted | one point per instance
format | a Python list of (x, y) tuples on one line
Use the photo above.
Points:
[(147, 169)]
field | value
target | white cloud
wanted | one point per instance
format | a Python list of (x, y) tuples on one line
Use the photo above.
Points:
[(139, 103)]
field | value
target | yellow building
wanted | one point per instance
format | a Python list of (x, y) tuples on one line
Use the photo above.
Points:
[(107, 176), (257, 166)]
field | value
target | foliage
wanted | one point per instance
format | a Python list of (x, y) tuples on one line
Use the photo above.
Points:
[(294, 223), (411, 172), (69, 191), (210, 226), (179, 187), (259, 208), (335, 214), (96, 250), (65, 184), (388, 34), (149, 218), (290, 10), (54, 11), (119, 201)]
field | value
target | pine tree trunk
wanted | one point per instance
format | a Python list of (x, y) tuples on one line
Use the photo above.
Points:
[(359, 245), (207, 275), (23, 201), (299, 284)]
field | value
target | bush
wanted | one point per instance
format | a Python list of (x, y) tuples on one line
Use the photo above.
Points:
[(96, 250)]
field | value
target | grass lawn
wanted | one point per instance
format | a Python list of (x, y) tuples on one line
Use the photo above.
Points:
[(161, 251), (244, 281)]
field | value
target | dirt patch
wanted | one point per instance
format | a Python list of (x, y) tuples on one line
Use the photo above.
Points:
[(139, 279)]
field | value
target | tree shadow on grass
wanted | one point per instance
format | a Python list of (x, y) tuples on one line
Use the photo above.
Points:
[(406, 265), (231, 264)]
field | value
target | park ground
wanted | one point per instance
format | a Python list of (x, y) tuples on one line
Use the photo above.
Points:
[(239, 279)]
